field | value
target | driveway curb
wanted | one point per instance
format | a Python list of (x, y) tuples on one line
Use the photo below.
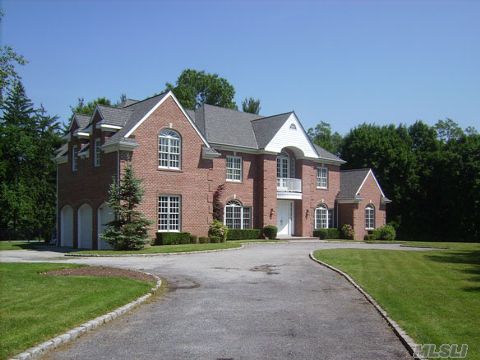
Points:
[(406, 340), (41, 349)]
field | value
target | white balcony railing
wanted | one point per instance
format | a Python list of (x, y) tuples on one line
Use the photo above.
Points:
[(289, 185)]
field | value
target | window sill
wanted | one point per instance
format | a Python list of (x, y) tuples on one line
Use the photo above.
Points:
[(322, 188), (168, 231), (169, 169), (369, 229), (234, 181)]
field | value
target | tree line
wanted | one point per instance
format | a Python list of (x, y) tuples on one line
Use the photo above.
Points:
[(431, 174)]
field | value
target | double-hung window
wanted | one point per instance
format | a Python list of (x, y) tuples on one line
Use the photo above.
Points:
[(234, 168), (97, 151), (237, 216), (169, 207), (74, 158), (370, 217), (322, 177), (169, 149)]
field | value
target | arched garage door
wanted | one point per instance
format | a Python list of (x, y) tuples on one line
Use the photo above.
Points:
[(105, 215), (66, 226), (85, 227)]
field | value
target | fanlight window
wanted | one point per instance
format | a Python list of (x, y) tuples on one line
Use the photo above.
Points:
[(237, 216), (169, 149), (323, 217)]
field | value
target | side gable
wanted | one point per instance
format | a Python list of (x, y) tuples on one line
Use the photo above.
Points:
[(293, 134), (156, 106), (370, 173)]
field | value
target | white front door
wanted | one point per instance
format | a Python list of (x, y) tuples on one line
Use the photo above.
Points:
[(285, 217)]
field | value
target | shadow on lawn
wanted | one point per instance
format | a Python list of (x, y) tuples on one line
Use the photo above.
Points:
[(471, 258)]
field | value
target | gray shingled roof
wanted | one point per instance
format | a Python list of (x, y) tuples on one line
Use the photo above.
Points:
[(127, 102), (350, 181), (324, 154), (114, 116), (265, 128), (139, 110), (226, 126), (82, 120)]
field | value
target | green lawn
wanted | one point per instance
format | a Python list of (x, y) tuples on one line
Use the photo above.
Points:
[(165, 249), (19, 245), (433, 295), (35, 307)]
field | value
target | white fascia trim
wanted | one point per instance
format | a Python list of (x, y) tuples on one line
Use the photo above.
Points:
[(82, 134), (130, 132), (326, 161), (376, 182), (118, 146), (243, 149), (107, 127)]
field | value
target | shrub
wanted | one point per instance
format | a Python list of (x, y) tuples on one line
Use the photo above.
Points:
[(215, 239), (217, 229), (170, 238), (270, 232), (203, 240), (369, 237), (347, 232), (193, 239), (327, 233), (239, 234), (386, 232)]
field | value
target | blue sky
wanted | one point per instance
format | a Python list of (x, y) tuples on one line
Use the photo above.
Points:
[(344, 62)]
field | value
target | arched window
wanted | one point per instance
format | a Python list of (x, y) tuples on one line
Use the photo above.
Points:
[(369, 217), (283, 165), (237, 216), (169, 149), (322, 217)]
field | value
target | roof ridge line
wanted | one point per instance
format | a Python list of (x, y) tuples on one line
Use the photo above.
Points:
[(148, 98), (266, 117)]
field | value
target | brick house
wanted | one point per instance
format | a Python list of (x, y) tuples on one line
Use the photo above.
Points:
[(271, 171)]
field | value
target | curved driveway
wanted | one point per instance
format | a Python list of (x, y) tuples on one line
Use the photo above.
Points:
[(265, 301)]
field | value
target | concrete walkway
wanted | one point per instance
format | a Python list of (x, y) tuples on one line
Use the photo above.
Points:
[(265, 301)]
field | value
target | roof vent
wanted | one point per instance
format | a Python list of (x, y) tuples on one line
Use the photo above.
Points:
[(293, 127)]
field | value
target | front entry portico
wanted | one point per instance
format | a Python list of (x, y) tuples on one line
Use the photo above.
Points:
[(285, 217)]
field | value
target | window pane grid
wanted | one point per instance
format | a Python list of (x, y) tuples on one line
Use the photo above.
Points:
[(169, 213), (234, 168), (370, 217), (237, 216), (323, 218), (169, 149), (322, 177)]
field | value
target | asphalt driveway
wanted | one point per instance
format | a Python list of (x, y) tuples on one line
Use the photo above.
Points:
[(265, 301)]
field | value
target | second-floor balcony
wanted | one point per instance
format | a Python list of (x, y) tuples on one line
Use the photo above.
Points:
[(289, 185)]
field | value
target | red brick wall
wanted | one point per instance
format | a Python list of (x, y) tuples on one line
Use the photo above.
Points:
[(371, 195), (87, 185)]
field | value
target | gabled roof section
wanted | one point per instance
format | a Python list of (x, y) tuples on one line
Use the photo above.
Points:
[(81, 120), (350, 182), (324, 154), (114, 116), (127, 102), (265, 128), (226, 126)]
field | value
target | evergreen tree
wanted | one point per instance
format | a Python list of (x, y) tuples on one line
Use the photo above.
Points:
[(28, 139), (129, 229), (251, 105)]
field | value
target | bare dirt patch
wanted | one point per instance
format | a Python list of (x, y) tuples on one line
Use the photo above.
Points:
[(101, 271)]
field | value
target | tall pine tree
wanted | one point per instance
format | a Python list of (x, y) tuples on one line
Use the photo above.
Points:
[(129, 230)]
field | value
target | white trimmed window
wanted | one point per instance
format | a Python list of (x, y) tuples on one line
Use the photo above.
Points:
[(237, 216), (323, 217), (169, 213), (369, 217), (97, 152), (322, 177), (234, 168), (74, 158), (169, 149)]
